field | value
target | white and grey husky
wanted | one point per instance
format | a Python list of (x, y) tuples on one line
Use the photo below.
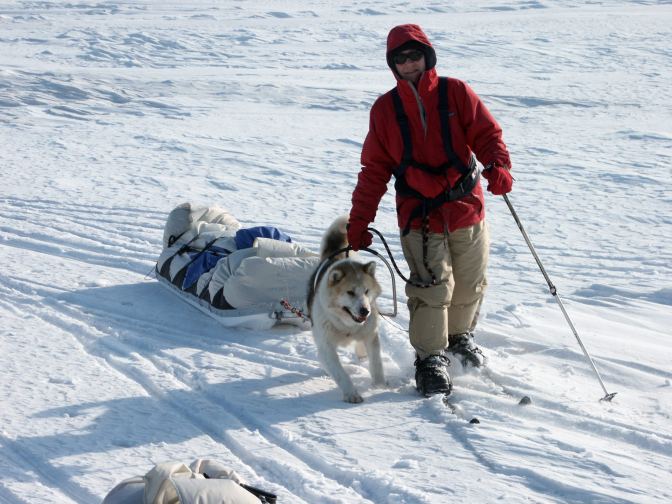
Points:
[(342, 305)]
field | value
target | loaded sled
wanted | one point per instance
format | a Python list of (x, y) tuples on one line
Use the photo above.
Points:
[(245, 277)]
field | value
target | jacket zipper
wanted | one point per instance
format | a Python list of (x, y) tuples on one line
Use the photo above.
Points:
[(423, 119)]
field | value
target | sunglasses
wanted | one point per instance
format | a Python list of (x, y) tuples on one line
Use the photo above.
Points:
[(402, 58)]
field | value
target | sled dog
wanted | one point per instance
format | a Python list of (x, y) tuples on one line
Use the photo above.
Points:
[(342, 306)]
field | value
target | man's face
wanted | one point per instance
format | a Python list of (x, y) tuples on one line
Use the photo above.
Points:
[(410, 64)]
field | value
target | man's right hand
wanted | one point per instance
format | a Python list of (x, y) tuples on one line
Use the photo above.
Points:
[(358, 236)]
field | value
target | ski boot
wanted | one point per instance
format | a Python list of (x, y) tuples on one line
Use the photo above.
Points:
[(432, 377), (463, 347)]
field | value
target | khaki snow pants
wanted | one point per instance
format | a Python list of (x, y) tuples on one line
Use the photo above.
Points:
[(459, 261)]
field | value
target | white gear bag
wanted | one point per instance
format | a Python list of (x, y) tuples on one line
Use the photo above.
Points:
[(202, 482)]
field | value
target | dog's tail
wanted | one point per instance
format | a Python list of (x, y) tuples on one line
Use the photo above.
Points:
[(335, 238)]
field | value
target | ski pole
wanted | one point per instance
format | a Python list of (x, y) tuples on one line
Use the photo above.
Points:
[(608, 396)]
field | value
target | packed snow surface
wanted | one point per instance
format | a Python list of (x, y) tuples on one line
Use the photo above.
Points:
[(114, 112)]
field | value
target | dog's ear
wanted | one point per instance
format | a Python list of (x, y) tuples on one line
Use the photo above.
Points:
[(370, 268), (335, 276)]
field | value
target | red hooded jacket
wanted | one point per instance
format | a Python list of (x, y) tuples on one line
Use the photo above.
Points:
[(472, 128)]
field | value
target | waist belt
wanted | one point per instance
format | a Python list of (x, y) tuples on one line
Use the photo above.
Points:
[(462, 187)]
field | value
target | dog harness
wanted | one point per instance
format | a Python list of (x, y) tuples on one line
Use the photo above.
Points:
[(462, 187)]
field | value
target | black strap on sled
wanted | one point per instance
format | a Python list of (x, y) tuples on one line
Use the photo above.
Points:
[(179, 277), (469, 172), (164, 272)]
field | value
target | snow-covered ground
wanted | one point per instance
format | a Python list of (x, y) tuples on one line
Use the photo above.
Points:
[(113, 112)]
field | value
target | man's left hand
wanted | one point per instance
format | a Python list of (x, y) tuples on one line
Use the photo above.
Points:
[(499, 179)]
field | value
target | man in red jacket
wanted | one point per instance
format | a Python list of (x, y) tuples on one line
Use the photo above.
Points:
[(426, 132)]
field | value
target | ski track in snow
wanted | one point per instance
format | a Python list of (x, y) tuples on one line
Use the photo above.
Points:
[(137, 353), (112, 113), (130, 361)]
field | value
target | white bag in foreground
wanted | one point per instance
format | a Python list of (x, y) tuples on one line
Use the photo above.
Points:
[(202, 482)]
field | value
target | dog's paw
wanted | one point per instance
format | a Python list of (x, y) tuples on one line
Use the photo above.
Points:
[(352, 397)]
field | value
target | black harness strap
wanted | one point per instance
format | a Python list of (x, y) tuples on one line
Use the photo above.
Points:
[(464, 185), (444, 118), (402, 120), (407, 156), (426, 205)]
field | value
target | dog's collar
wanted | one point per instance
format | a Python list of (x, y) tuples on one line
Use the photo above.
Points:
[(328, 261)]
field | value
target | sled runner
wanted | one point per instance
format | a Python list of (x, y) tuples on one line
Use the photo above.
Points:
[(243, 277)]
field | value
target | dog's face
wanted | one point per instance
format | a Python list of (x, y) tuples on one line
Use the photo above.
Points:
[(352, 291)]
